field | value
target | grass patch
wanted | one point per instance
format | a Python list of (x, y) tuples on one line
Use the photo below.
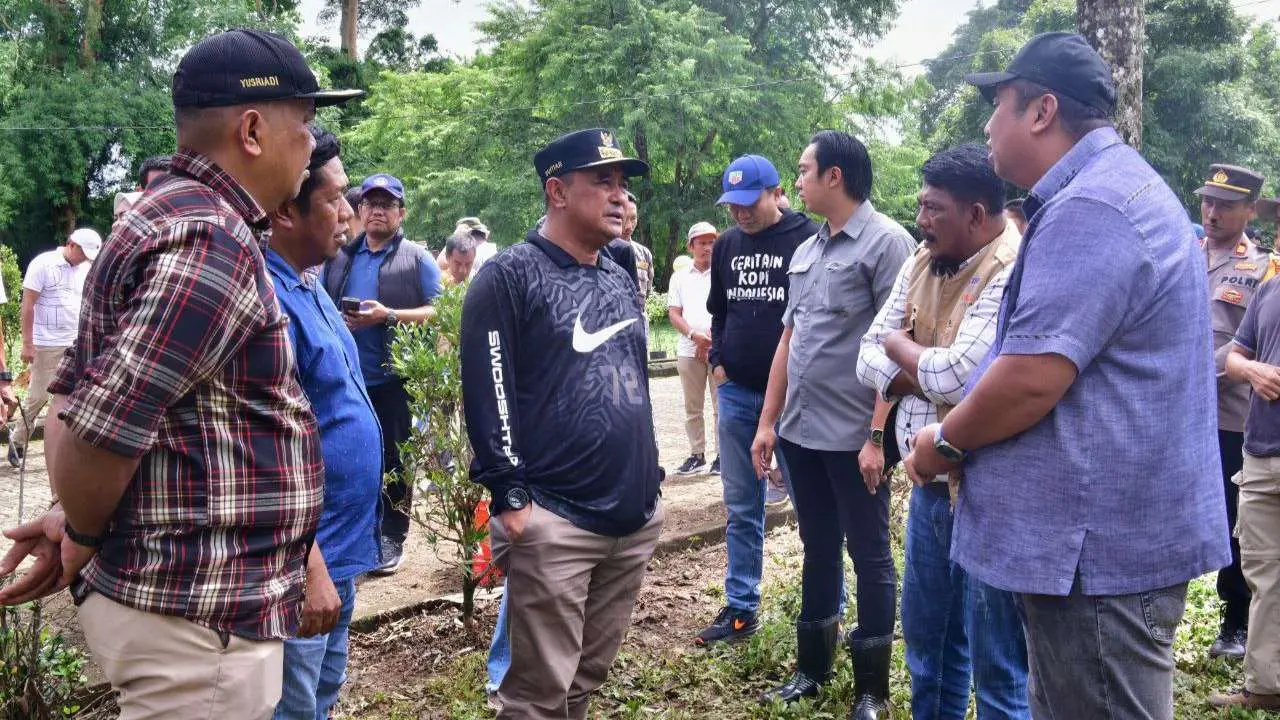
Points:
[(679, 682)]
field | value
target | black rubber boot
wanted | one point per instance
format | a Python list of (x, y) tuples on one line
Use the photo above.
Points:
[(815, 653), (871, 658)]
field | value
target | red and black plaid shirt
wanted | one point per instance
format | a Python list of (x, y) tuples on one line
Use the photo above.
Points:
[(183, 359)]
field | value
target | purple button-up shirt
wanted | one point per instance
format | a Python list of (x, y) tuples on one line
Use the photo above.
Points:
[(1119, 482)]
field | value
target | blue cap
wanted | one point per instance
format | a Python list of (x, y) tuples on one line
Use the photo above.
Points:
[(383, 181), (746, 178)]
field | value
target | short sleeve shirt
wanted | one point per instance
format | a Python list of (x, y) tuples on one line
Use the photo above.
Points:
[(57, 308), (689, 290), (1118, 485), (838, 283), (1259, 333)]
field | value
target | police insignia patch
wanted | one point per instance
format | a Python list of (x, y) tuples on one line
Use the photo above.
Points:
[(1232, 295), (1247, 266)]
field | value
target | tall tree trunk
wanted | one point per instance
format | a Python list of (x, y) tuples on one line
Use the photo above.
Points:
[(92, 32), (350, 12), (1118, 29)]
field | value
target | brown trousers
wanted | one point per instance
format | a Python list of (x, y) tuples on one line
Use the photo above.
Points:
[(695, 379), (570, 594), (1258, 528), (166, 667)]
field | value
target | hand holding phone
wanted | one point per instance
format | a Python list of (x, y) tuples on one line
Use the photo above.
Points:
[(350, 306)]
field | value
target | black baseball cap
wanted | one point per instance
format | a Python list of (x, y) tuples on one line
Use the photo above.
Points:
[(584, 149), (245, 66), (1060, 61), (1231, 182)]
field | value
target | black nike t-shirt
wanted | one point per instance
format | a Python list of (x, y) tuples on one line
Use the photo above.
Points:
[(555, 387)]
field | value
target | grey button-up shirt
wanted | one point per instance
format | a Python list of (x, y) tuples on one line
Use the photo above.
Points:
[(838, 283)]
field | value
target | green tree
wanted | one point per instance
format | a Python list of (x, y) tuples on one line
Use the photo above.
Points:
[(69, 69), (686, 88), (1210, 88)]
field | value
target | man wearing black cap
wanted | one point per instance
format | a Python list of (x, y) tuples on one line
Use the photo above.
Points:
[(557, 406), (1099, 358), (181, 444), (1237, 266), (394, 282)]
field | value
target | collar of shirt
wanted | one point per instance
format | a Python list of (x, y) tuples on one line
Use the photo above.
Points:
[(361, 244), (857, 221), (558, 254), (207, 172), (279, 267), (1065, 170)]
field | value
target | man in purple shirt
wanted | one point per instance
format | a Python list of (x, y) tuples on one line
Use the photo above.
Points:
[(1255, 359), (1088, 488)]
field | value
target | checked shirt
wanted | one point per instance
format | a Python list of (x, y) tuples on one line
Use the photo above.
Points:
[(183, 360)]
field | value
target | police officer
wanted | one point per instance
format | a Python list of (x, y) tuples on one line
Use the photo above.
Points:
[(1236, 266)]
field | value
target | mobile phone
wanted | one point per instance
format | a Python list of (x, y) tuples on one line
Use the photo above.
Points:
[(351, 305)]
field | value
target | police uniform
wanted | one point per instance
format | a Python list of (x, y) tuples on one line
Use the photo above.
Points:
[(1234, 278)]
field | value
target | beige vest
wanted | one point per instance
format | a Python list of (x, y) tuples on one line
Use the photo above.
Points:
[(937, 305)]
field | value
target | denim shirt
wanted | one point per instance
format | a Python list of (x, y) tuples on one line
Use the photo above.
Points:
[(350, 438), (1120, 482)]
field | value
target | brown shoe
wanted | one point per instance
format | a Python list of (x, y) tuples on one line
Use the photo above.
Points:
[(1245, 699)]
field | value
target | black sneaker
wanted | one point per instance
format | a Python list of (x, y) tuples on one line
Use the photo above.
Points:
[(693, 465), (15, 455), (392, 558), (729, 626), (715, 466), (1230, 643)]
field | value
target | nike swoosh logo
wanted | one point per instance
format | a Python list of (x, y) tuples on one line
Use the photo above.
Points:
[(585, 342)]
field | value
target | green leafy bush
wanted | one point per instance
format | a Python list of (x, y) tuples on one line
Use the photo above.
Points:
[(437, 456)]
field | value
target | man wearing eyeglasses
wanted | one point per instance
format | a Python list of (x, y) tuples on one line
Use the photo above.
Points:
[(394, 282)]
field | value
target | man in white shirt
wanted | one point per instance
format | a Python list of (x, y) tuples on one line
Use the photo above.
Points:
[(484, 248), (687, 308), (51, 293)]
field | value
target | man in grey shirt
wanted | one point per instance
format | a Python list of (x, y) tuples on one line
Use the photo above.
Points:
[(839, 279)]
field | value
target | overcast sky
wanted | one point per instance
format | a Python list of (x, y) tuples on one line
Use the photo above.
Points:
[(923, 28)]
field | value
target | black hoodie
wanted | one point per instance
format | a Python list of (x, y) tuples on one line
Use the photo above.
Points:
[(748, 295)]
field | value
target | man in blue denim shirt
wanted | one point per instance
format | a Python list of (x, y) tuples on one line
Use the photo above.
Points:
[(1089, 491), (305, 232)]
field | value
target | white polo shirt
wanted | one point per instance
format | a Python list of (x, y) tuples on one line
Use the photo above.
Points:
[(57, 310), (688, 291)]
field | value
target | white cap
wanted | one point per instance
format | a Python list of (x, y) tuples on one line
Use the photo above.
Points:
[(702, 228), (124, 201), (89, 241)]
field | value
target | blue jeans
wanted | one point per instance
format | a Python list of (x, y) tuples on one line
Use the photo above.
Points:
[(499, 649), (956, 627), (743, 495), (316, 667)]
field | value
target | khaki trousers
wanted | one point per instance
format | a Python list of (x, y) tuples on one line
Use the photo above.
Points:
[(43, 368), (569, 599), (167, 667), (1258, 528), (695, 379)]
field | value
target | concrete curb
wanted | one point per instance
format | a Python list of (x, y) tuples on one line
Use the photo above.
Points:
[(695, 538)]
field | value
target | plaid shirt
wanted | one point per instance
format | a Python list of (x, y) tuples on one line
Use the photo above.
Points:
[(183, 360)]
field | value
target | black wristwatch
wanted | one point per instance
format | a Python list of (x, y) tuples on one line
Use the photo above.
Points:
[(877, 437), (6, 376), (93, 541), (516, 499), (946, 449)]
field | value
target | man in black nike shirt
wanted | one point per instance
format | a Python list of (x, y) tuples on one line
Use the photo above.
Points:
[(557, 406)]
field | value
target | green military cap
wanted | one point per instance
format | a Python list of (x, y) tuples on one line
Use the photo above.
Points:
[(1231, 182)]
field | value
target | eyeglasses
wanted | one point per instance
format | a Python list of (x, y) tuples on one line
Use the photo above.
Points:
[(381, 204)]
